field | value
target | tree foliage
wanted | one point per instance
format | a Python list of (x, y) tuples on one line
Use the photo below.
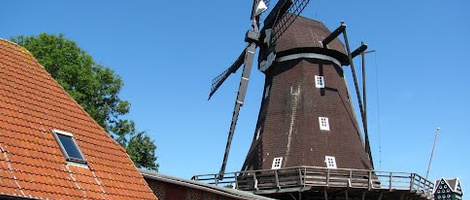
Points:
[(95, 87)]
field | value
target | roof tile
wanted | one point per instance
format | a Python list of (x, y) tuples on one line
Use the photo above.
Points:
[(32, 105)]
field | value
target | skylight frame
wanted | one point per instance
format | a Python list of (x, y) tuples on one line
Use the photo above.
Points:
[(67, 157)]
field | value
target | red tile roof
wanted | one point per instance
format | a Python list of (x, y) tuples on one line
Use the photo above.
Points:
[(32, 104)]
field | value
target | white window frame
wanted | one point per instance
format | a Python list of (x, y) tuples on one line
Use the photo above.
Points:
[(277, 163), (331, 165), (57, 132), (324, 123), (319, 81)]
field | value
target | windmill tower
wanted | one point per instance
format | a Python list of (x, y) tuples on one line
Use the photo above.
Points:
[(304, 89), (306, 115), (307, 141)]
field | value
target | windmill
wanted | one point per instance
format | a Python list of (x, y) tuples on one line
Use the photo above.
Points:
[(307, 141), (278, 22), (275, 23)]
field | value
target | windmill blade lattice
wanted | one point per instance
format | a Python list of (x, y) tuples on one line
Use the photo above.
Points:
[(283, 22), (218, 80)]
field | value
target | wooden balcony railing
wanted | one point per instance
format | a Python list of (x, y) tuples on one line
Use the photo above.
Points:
[(305, 177)]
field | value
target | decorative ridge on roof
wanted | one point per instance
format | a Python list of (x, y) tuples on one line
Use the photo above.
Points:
[(453, 186), (28, 53)]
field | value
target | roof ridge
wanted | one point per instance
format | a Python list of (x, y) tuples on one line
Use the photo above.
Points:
[(28, 53), (17, 45), (446, 180)]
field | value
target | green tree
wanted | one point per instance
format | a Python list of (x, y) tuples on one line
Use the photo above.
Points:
[(95, 87)]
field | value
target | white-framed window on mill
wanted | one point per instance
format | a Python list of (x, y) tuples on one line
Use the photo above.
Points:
[(319, 81), (324, 124), (330, 162), (277, 163)]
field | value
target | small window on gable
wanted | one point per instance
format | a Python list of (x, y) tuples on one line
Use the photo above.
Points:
[(68, 146), (324, 124), (277, 162), (330, 162), (258, 133), (319, 82)]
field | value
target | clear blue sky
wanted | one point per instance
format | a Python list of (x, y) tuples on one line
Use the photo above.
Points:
[(168, 51)]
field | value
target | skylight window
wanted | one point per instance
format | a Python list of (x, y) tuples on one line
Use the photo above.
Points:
[(68, 146)]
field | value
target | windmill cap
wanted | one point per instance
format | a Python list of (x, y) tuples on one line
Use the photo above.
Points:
[(306, 35)]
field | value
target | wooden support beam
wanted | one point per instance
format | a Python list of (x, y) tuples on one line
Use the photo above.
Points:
[(334, 34), (356, 84), (359, 50), (363, 195), (325, 193), (277, 180), (346, 195), (327, 177), (255, 181)]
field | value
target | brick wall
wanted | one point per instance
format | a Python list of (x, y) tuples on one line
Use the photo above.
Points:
[(157, 187)]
